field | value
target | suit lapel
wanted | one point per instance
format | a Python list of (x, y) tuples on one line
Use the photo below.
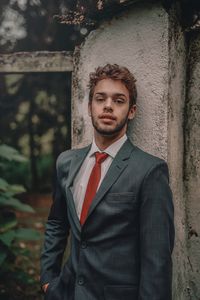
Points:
[(118, 165), (75, 165), (72, 208)]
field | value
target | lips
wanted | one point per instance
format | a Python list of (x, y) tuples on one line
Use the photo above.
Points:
[(107, 116)]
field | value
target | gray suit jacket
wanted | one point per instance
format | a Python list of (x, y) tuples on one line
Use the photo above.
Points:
[(123, 251)]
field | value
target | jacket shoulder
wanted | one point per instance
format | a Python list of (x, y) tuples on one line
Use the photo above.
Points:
[(147, 161), (66, 156)]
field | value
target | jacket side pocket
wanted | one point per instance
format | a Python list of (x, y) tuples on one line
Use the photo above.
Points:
[(119, 292)]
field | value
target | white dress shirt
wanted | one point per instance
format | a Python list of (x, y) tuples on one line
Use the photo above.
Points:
[(82, 177)]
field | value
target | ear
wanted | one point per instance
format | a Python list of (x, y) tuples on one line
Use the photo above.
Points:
[(132, 111), (89, 108)]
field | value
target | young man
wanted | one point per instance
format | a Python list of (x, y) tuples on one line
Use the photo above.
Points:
[(116, 202)]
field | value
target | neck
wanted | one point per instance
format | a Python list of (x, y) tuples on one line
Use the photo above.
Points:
[(104, 142)]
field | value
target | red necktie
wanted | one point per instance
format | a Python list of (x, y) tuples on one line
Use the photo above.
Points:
[(92, 185)]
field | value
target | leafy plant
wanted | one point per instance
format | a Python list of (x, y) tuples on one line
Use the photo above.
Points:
[(10, 232)]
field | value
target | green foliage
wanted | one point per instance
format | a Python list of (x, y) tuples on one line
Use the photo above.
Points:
[(27, 234), (7, 201), (21, 172), (13, 171), (10, 233), (44, 167), (11, 154)]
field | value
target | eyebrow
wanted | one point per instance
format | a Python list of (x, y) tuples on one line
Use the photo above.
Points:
[(117, 94)]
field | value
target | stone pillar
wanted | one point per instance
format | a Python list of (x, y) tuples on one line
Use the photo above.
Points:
[(176, 106), (137, 39), (148, 41), (192, 164)]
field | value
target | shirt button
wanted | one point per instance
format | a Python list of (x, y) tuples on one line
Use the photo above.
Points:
[(81, 281), (84, 244)]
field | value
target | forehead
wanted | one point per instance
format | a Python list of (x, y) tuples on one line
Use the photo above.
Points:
[(110, 86)]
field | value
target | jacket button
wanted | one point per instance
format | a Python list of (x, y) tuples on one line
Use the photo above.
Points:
[(81, 281), (83, 245)]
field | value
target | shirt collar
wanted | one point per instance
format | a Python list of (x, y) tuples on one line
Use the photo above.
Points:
[(111, 150)]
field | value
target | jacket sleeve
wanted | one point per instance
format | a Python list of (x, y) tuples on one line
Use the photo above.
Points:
[(56, 235), (156, 235)]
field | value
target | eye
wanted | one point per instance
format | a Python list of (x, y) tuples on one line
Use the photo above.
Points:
[(99, 99), (119, 100)]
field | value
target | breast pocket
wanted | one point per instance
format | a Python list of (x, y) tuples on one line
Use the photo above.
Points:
[(121, 198)]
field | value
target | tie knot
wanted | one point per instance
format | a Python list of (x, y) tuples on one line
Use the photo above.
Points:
[(100, 157)]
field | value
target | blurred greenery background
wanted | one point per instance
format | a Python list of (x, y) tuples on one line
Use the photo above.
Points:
[(35, 120)]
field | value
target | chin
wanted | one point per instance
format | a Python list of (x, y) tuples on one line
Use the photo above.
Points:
[(108, 132)]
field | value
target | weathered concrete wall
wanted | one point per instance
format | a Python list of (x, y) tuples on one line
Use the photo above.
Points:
[(138, 40), (176, 98), (37, 61), (192, 164), (151, 45)]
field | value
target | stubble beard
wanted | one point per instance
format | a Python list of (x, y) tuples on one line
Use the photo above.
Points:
[(109, 132)]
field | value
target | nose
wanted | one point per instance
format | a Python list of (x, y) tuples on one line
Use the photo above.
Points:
[(108, 104)]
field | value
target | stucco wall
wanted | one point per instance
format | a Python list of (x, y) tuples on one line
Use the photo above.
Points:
[(139, 40), (192, 164), (176, 113), (150, 43)]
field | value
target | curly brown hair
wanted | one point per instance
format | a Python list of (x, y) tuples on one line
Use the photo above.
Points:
[(114, 72)]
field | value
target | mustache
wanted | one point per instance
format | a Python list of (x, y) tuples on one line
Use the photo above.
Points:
[(107, 116)]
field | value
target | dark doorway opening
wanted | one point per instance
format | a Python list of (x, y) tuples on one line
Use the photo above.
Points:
[(35, 118)]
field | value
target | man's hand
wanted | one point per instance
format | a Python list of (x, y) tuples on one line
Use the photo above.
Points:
[(45, 286)]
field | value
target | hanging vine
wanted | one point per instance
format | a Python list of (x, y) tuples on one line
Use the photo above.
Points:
[(89, 13)]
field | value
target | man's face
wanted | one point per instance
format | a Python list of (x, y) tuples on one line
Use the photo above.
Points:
[(110, 109)]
